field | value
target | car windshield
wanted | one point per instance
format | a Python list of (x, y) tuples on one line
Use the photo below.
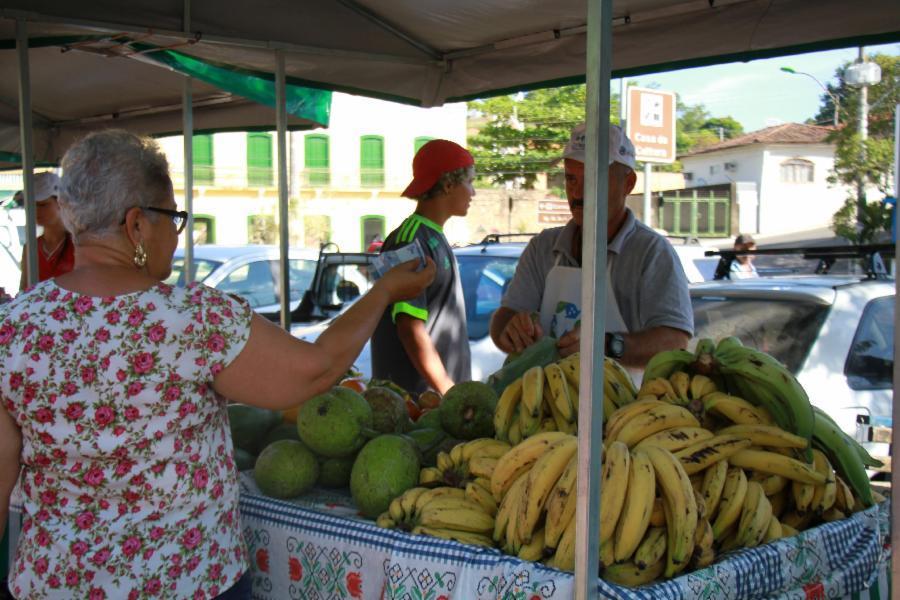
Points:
[(202, 269), (785, 329), (484, 280)]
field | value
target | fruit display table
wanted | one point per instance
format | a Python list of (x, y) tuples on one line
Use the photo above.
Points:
[(316, 547)]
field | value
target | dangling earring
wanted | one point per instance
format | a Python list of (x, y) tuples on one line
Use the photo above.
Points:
[(140, 256)]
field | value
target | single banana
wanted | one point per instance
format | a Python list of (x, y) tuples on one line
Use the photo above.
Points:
[(701, 385), (395, 510), (779, 501), (571, 367), (618, 419), (534, 550), (654, 420), (614, 482), (803, 494), (456, 455), (520, 459), (431, 476), (681, 383), (635, 517), (788, 531), (735, 409), (505, 509), (699, 456), (664, 363), (513, 541), (659, 387), (541, 479), (482, 466), (564, 558), (755, 517), (462, 516), (515, 430), (607, 553), (620, 375), (844, 456), (833, 514), (773, 531), (484, 448), (704, 551), (778, 464), (464, 537), (676, 438), (732, 501), (559, 391), (385, 521), (652, 547), (680, 506), (843, 498), (711, 488), (443, 461), (481, 496), (561, 503), (432, 494), (532, 399), (824, 496), (767, 435), (408, 502), (573, 395), (796, 521), (506, 408), (771, 484), (658, 516), (630, 575)]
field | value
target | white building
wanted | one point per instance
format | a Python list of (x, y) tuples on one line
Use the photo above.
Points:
[(345, 181), (786, 164)]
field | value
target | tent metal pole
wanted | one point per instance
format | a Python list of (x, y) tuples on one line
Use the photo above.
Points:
[(25, 133), (593, 298), (187, 133), (283, 239), (895, 431), (188, 136)]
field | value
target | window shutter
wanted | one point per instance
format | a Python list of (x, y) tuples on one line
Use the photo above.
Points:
[(316, 159), (419, 142), (203, 160), (259, 159), (371, 162)]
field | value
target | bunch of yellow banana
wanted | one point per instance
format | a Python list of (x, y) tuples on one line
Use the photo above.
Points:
[(546, 399), (465, 463), (445, 512), (678, 388)]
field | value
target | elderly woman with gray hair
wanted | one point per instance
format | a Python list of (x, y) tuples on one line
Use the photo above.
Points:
[(113, 388)]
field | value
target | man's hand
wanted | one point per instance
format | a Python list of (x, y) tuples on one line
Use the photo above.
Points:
[(569, 342), (520, 332)]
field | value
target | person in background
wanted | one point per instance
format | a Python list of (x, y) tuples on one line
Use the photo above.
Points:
[(113, 388), (742, 266), (423, 343), (648, 308), (56, 252)]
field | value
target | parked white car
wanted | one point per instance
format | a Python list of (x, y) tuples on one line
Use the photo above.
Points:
[(835, 333)]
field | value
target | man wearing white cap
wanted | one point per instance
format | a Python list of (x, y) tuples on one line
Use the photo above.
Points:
[(648, 308), (56, 251)]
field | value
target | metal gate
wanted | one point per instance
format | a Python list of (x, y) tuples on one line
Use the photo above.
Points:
[(696, 213)]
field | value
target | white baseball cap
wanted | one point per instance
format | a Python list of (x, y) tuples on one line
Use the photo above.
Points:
[(621, 150), (46, 185)]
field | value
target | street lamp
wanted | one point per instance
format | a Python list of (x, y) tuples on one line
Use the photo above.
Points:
[(834, 99)]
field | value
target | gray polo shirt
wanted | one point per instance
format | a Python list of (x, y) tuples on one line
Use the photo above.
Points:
[(647, 278)]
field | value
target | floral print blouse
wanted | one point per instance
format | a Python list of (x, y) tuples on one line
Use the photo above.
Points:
[(128, 484)]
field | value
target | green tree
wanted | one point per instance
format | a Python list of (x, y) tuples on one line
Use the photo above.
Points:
[(854, 221), (520, 136)]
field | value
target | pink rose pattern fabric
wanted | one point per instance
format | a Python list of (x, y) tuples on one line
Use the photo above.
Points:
[(127, 479)]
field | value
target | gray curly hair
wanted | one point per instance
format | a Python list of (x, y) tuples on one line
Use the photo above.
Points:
[(448, 179), (106, 173)]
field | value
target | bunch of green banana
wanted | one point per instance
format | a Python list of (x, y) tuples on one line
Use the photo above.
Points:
[(763, 381), (465, 462)]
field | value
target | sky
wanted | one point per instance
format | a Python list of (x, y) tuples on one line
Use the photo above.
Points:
[(758, 93)]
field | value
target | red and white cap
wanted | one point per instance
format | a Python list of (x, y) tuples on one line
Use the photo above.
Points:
[(433, 160)]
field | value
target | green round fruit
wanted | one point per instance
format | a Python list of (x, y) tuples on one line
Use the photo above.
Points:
[(430, 420), (335, 472), (389, 413), (243, 460), (429, 442), (336, 423), (249, 426), (467, 410), (284, 431), (286, 469), (385, 468)]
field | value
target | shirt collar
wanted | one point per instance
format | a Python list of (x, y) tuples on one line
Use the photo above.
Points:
[(563, 243)]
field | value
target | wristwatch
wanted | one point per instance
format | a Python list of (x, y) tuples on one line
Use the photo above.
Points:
[(615, 345)]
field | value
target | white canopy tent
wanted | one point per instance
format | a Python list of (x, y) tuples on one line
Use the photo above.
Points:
[(428, 52)]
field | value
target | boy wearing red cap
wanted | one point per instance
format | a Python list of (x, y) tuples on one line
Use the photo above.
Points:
[(423, 343)]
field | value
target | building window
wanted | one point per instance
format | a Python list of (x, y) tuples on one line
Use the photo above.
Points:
[(797, 170), (259, 159), (203, 160), (204, 229), (316, 159), (420, 141), (373, 231), (713, 169), (371, 161)]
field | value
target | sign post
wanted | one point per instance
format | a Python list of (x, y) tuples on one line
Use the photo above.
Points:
[(651, 128)]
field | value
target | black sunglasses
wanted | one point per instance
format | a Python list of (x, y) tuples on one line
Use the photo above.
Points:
[(179, 217)]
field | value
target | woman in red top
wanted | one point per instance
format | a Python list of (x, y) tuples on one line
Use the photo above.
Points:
[(56, 252)]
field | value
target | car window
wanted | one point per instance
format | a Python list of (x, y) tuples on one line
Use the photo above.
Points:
[(870, 364), (344, 283), (484, 280), (253, 281), (202, 269), (785, 329), (301, 273)]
